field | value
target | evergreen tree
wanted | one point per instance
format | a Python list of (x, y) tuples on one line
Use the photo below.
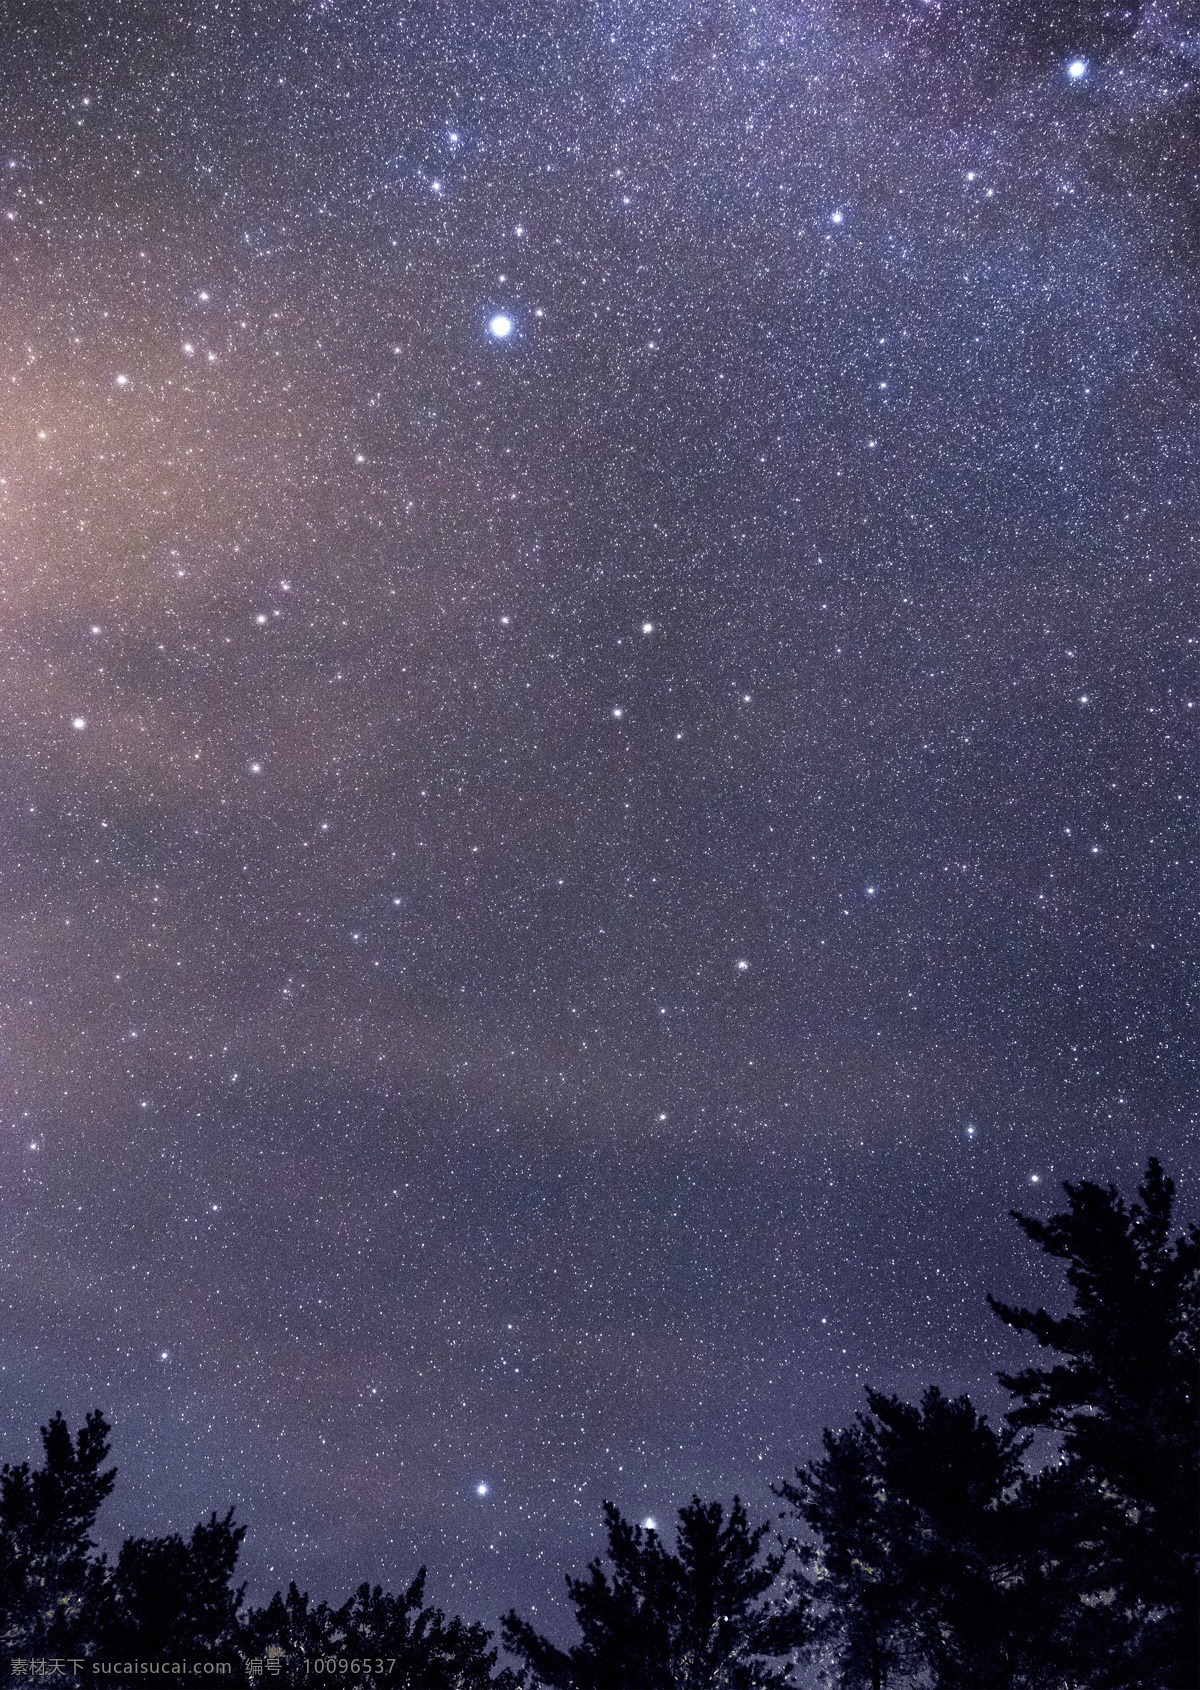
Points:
[(169, 1600), (916, 1562), (938, 1559), (1124, 1399), (948, 1477), (856, 1600), (423, 1650), (46, 1517), (695, 1620)]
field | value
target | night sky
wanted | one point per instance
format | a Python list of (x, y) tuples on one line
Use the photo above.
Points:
[(598, 634)]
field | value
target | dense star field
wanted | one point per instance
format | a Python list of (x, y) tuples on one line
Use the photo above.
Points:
[(597, 609)]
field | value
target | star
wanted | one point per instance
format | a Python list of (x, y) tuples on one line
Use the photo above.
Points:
[(1077, 69), (500, 326)]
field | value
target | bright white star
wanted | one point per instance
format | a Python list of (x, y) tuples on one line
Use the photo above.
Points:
[(1076, 69), (500, 326)]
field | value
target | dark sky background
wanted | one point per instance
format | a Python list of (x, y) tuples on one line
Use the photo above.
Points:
[(555, 887)]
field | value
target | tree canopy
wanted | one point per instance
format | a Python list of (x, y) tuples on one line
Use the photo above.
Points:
[(938, 1557), (171, 1598), (1124, 1398), (654, 1620), (921, 1550)]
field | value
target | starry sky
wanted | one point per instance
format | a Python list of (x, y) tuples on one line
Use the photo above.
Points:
[(597, 622)]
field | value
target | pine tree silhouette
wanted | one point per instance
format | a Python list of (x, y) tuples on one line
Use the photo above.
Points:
[(173, 1599), (1125, 1400), (939, 1559), (910, 1508), (167, 1599), (46, 1518), (689, 1621), (423, 1650)]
